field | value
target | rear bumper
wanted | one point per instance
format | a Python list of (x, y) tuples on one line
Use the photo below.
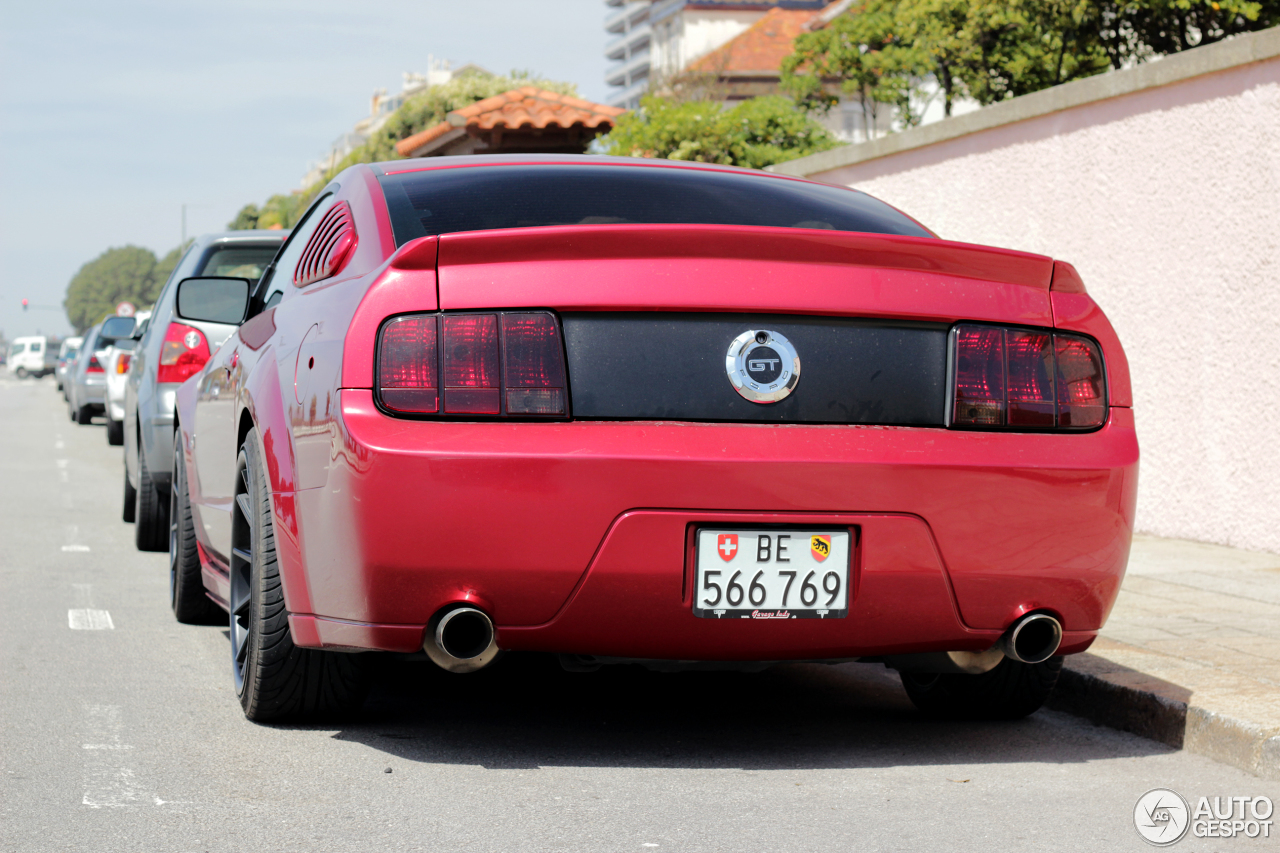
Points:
[(575, 536)]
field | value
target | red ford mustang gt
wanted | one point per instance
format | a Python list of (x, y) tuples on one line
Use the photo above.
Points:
[(645, 411)]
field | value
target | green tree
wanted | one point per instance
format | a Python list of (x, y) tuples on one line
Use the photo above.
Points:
[(848, 59), (246, 219), (128, 273), (755, 133)]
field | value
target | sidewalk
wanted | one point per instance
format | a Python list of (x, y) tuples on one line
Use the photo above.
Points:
[(1190, 655)]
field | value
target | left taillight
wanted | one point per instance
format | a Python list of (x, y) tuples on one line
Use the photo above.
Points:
[(122, 363), (95, 366), (184, 351), (1026, 379), (508, 364)]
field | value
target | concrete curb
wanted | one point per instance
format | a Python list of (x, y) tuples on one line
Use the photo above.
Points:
[(1094, 688)]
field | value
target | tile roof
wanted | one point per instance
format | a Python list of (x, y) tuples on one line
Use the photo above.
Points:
[(527, 106), (764, 44)]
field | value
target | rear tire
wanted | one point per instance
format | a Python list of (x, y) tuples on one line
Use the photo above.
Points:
[(187, 597), (115, 433), (1010, 691), (130, 498), (84, 415), (274, 678), (151, 513), (21, 373)]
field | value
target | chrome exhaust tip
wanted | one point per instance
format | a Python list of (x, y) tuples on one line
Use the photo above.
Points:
[(1032, 639), (461, 639)]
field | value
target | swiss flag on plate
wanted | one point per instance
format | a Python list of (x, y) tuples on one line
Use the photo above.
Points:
[(727, 545)]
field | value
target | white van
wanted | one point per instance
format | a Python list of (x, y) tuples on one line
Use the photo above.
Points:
[(31, 356)]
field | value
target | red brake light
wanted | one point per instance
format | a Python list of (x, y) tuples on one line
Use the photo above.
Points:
[(1030, 368), (471, 364), (183, 353), (484, 364), (122, 363), (979, 388), (95, 366), (407, 365), (1026, 378)]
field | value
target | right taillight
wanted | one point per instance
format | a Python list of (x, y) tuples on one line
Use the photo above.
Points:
[(508, 364), (184, 351), (1026, 379)]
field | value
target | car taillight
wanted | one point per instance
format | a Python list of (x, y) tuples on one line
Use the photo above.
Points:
[(182, 354), (122, 363), (408, 365), (1022, 378), (509, 364), (95, 366)]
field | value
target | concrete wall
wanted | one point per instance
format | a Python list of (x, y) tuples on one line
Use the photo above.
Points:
[(1162, 185)]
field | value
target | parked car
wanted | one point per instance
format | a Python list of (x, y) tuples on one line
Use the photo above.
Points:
[(648, 412), (117, 361), (66, 355), (166, 354), (87, 381), (31, 356)]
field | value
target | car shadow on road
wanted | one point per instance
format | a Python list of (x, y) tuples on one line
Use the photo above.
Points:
[(526, 712)]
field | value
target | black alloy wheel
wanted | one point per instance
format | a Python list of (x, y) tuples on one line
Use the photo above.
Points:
[(274, 678), (1009, 692), (187, 596)]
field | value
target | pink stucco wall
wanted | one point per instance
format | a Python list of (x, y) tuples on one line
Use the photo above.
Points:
[(1168, 202)]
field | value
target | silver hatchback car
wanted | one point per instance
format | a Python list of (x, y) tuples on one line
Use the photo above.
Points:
[(168, 352)]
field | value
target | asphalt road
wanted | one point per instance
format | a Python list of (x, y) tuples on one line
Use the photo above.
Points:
[(125, 734)]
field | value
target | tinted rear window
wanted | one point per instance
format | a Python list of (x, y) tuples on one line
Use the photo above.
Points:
[(483, 198), (239, 262)]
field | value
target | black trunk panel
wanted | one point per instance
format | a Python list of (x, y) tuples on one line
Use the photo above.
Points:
[(656, 366)]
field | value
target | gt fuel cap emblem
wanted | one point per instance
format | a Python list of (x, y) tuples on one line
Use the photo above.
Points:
[(762, 365)]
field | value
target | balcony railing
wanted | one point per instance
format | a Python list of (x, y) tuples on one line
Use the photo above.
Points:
[(623, 72), (617, 48)]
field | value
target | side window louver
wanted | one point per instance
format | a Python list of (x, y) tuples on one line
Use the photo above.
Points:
[(329, 248)]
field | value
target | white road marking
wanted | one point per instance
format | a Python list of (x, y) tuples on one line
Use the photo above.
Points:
[(64, 477), (107, 782), (61, 463), (87, 619), (59, 444), (76, 549)]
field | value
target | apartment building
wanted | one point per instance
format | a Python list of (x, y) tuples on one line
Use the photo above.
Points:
[(653, 39)]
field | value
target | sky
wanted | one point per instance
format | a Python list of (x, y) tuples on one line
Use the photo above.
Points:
[(113, 115)]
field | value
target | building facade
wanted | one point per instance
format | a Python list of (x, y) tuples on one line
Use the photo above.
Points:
[(653, 40)]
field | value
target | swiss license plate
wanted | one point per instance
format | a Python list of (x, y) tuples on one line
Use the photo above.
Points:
[(771, 574)]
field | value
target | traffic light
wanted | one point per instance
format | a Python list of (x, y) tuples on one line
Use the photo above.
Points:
[(24, 305)]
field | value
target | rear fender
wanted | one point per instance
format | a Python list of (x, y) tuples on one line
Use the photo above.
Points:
[(264, 408)]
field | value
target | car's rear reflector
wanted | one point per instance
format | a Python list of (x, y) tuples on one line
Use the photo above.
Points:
[(1082, 399), (1026, 379), (508, 364), (182, 354), (122, 363)]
